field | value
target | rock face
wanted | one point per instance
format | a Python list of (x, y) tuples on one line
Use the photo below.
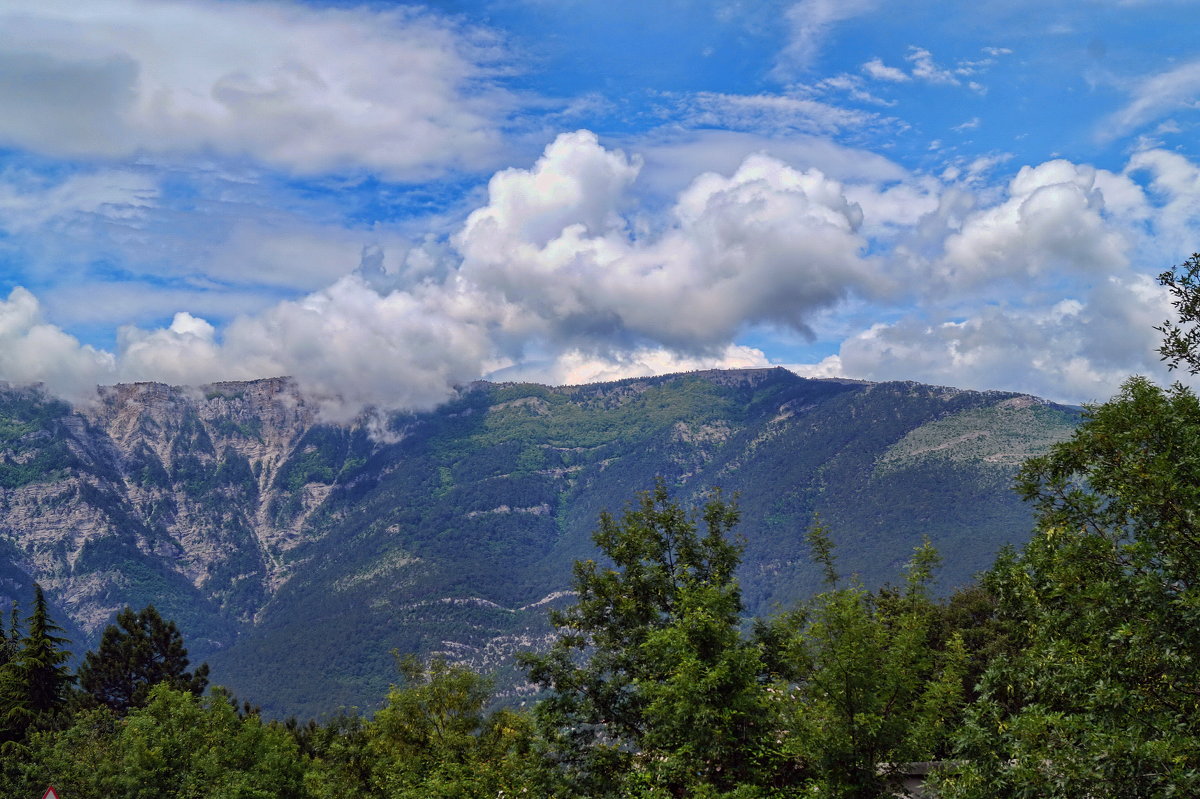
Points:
[(296, 555), (153, 493)]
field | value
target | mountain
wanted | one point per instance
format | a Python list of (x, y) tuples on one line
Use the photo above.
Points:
[(295, 555)]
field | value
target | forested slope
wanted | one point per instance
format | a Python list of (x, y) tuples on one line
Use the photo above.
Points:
[(296, 555)]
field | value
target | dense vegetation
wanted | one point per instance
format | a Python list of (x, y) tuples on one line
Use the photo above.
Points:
[(1070, 669)]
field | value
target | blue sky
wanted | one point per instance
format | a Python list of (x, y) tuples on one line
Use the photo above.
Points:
[(387, 201)]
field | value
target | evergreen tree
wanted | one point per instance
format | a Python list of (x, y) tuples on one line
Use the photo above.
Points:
[(10, 638), (136, 653), (34, 684)]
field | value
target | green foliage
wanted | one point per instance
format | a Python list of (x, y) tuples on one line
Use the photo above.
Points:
[(35, 682), (136, 653), (1181, 336), (177, 745), (650, 686), (432, 738), (865, 682), (1101, 686)]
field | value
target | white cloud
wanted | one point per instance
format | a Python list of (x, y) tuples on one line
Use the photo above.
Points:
[(576, 368), (926, 69), (31, 202), (880, 71), (1154, 97), (809, 23), (767, 244), (1071, 351), (33, 351), (1175, 185), (559, 275), (672, 162), (1055, 218), (553, 281), (775, 113), (400, 92)]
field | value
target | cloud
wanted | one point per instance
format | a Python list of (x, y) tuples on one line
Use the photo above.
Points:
[(33, 351), (775, 114), (576, 368), (1054, 220), (766, 244), (561, 274), (926, 69), (1070, 351), (549, 270), (1154, 97), (880, 71), (399, 92), (809, 23)]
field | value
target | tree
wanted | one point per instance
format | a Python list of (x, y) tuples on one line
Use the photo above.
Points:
[(866, 684), (34, 684), (136, 653), (1101, 693), (651, 689), (177, 745), (10, 640), (1181, 336), (434, 738)]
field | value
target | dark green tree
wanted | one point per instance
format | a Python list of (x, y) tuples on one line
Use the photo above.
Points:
[(1181, 336), (1100, 692), (650, 687), (10, 639), (136, 653), (34, 685)]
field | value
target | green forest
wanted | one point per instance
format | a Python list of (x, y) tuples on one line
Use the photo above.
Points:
[(1067, 669)]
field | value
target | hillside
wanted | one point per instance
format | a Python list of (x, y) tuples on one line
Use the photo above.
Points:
[(296, 556)]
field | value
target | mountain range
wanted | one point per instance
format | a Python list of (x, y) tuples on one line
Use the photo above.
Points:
[(296, 555)]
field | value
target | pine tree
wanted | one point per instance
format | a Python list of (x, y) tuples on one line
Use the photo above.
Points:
[(34, 684), (136, 653)]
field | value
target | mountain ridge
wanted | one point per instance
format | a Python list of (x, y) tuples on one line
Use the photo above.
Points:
[(239, 513)]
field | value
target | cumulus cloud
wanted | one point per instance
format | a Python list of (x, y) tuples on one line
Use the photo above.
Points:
[(766, 244), (1073, 350), (401, 92), (560, 276), (549, 269), (1055, 218), (34, 351)]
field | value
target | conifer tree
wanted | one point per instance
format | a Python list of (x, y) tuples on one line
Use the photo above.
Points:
[(34, 684), (136, 653), (9, 639)]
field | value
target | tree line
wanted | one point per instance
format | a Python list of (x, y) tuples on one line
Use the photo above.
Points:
[(1070, 669)]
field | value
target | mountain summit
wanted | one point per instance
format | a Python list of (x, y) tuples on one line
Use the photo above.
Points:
[(296, 555)]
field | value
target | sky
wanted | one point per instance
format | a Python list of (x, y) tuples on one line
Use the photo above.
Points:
[(389, 201)]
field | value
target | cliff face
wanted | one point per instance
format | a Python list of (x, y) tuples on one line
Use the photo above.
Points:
[(296, 555), (156, 486)]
